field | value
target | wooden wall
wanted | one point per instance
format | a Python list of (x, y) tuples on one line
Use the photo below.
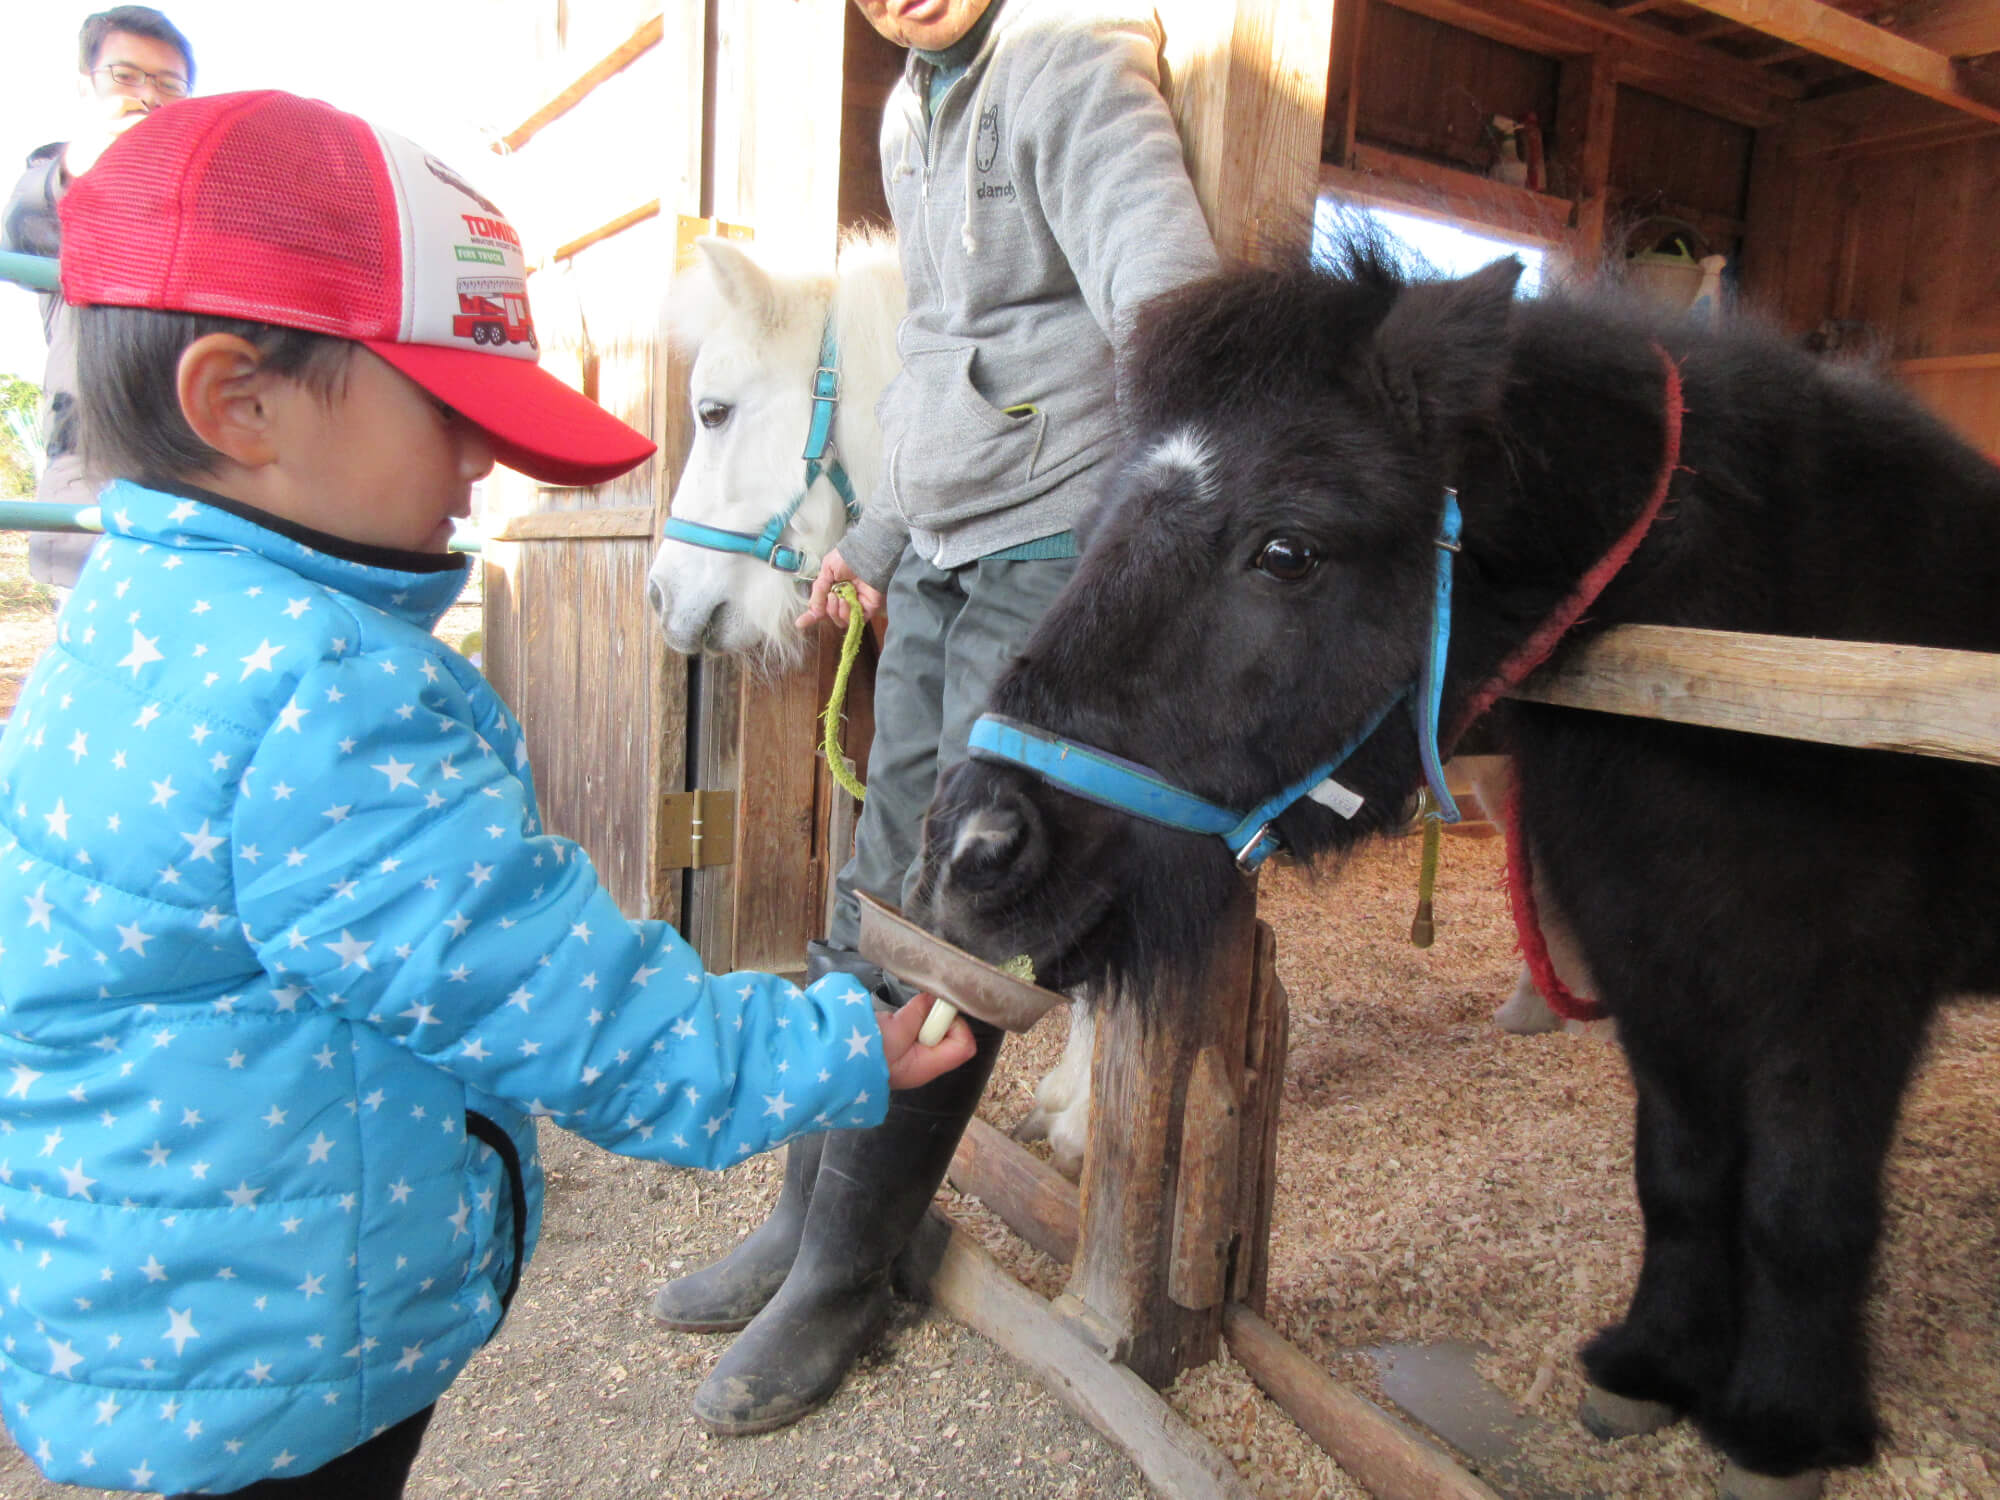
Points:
[(569, 642), (873, 66), (1412, 87), (1429, 88), (1898, 247), (1868, 217)]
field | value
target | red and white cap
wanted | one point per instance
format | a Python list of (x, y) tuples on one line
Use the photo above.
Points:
[(276, 209)]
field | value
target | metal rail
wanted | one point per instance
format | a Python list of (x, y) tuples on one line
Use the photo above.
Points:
[(48, 515), (38, 273)]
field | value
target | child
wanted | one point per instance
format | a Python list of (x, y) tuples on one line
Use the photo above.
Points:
[(286, 964)]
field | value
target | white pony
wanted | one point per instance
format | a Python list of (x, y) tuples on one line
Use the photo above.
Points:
[(752, 518)]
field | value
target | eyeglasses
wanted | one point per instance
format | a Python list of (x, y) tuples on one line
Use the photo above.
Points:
[(166, 85)]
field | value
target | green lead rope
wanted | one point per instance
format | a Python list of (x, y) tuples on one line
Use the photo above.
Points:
[(836, 762), (1422, 929)]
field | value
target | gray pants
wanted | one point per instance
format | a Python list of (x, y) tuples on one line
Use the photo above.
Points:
[(951, 633)]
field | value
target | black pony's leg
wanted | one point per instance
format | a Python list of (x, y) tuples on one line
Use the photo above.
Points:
[(1821, 1117), (1677, 1339)]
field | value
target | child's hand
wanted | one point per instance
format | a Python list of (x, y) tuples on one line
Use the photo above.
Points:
[(911, 1064)]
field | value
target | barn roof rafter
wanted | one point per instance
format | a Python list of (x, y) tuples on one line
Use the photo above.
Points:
[(1832, 33)]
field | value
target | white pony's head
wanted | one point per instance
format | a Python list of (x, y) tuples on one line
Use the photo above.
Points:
[(755, 333)]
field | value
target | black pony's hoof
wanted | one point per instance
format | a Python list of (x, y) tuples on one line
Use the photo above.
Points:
[(1609, 1416), (1739, 1483)]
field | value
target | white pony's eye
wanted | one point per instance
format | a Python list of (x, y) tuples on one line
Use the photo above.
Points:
[(712, 413)]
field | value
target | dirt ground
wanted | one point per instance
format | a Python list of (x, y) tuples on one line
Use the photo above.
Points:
[(1437, 1180)]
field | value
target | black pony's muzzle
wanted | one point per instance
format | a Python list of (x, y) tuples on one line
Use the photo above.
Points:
[(1013, 867), (987, 848)]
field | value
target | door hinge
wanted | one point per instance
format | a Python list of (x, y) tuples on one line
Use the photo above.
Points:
[(697, 829)]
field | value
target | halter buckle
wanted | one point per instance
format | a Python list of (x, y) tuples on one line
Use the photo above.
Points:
[(826, 383), (1255, 851)]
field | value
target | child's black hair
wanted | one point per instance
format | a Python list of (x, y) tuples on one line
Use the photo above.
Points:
[(128, 395)]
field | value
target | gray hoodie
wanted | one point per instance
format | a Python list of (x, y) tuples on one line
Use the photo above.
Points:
[(1041, 205), (29, 225)]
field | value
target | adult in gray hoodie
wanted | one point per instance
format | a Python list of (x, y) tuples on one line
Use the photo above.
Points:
[(131, 60), (1039, 194)]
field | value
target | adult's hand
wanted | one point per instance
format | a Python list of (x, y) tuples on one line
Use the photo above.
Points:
[(93, 135), (827, 605)]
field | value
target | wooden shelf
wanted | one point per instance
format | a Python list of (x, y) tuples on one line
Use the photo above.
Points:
[(1423, 187)]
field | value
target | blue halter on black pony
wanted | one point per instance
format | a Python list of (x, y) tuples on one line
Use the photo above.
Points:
[(1114, 782)]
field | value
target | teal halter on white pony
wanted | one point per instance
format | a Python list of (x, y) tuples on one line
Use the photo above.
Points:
[(764, 545)]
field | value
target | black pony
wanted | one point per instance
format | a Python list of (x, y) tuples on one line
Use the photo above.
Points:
[(1772, 923)]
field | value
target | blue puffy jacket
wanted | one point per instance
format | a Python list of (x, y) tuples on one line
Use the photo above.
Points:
[(286, 966)]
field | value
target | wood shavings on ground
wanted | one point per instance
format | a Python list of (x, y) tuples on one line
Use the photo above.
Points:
[(1439, 1179)]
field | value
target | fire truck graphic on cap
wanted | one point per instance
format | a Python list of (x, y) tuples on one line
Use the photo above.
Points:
[(494, 310)]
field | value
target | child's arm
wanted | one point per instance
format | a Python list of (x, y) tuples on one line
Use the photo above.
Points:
[(401, 879)]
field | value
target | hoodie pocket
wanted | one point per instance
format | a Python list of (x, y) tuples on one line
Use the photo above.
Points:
[(958, 455)]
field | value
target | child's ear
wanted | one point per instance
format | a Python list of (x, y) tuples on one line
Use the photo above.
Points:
[(221, 383)]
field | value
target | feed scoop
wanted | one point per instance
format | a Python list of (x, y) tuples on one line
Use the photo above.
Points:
[(960, 981)]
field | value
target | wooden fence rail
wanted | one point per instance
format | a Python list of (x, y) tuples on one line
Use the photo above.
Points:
[(1914, 699)]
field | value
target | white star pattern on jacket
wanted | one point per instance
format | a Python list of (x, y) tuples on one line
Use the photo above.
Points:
[(286, 966)]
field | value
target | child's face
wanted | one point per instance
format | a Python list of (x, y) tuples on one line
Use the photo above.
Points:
[(383, 462), (931, 25)]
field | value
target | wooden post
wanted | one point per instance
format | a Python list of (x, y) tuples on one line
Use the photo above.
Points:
[(1266, 1040), (1249, 91), (1586, 114), (1141, 1159)]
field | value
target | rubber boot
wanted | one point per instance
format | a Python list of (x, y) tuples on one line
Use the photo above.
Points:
[(725, 1295), (823, 959), (873, 1189)]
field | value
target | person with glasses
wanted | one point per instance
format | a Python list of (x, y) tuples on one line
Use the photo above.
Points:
[(131, 60)]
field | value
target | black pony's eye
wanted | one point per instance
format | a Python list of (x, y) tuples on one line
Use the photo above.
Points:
[(1287, 560), (712, 413)]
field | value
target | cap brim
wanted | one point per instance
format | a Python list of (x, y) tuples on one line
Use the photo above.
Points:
[(537, 424)]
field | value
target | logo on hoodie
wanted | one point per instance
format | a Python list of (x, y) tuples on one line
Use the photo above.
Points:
[(988, 150)]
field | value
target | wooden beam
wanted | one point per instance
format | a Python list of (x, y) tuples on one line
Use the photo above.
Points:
[(1914, 699), (1031, 1197), (1586, 118), (545, 525), (963, 1280), (1783, 53), (1941, 364), (1704, 31), (1389, 1458), (1957, 28), (1872, 121), (1343, 97), (1423, 187), (1650, 56), (1832, 33), (604, 231), (1393, 1460), (565, 99)]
